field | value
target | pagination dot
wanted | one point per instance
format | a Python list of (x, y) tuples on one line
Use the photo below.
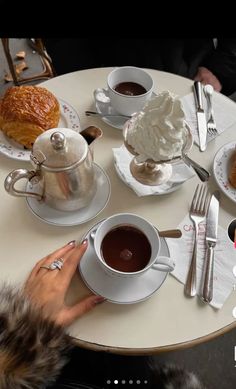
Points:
[(234, 271), (234, 312)]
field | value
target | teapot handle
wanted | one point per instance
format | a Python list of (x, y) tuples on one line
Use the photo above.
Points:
[(16, 175)]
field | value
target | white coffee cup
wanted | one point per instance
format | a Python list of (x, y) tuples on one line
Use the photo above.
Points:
[(126, 104), (155, 261)]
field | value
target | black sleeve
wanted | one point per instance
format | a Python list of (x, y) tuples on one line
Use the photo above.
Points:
[(222, 62)]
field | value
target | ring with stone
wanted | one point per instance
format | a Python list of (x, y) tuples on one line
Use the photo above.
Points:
[(57, 264)]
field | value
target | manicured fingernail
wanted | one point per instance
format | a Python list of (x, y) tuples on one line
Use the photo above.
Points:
[(71, 243), (99, 300), (85, 241)]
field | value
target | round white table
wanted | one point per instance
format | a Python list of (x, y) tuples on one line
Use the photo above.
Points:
[(167, 320)]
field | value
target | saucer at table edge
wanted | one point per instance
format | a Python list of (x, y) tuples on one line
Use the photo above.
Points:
[(106, 108), (118, 290), (62, 218), (221, 166)]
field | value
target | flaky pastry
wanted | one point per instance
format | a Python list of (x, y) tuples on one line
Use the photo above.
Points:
[(28, 111), (232, 173)]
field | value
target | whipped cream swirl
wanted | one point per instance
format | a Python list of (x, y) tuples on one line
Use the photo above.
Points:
[(158, 132)]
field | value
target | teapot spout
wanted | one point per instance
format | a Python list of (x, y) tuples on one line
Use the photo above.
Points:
[(91, 133)]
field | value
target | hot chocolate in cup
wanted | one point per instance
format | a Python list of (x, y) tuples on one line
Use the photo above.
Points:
[(129, 88), (127, 245)]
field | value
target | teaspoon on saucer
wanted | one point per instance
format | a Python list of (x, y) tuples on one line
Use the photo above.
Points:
[(93, 113), (162, 234)]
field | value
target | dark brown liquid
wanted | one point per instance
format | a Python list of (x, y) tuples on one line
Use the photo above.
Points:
[(130, 89), (126, 248)]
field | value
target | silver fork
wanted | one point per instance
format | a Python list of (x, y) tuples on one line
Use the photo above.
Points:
[(197, 215), (211, 124)]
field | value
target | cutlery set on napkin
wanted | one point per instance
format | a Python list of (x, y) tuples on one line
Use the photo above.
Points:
[(204, 255), (205, 123), (198, 215)]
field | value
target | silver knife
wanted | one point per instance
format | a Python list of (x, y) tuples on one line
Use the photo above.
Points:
[(201, 118), (211, 240)]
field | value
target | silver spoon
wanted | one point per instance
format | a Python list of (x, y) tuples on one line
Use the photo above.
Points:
[(202, 173), (93, 113), (162, 234)]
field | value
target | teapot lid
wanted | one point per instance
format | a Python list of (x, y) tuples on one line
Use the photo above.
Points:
[(61, 147)]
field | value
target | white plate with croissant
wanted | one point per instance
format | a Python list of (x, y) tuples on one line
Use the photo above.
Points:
[(26, 112), (224, 170)]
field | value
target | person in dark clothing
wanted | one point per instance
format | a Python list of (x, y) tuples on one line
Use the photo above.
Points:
[(35, 349), (204, 59)]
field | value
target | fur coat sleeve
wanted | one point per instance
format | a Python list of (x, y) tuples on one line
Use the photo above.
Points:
[(33, 350)]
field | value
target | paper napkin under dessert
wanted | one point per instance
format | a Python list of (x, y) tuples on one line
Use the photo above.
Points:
[(122, 157), (225, 259)]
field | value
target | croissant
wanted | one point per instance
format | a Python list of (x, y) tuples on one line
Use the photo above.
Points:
[(232, 173), (28, 111)]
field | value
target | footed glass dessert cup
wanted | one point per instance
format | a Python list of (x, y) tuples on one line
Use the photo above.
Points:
[(152, 172)]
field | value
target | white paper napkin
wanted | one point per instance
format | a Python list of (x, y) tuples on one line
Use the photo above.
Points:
[(225, 259), (180, 174), (223, 119)]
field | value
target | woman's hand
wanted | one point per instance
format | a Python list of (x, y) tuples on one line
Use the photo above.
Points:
[(47, 288)]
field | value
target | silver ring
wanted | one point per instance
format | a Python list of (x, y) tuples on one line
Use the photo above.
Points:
[(57, 264)]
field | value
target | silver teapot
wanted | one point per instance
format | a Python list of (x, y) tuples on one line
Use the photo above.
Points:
[(64, 172)]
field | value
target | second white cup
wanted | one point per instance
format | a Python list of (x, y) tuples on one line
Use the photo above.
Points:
[(129, 88)]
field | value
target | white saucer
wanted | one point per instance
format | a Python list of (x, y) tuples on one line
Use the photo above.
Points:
[(118, 290), (69, 118), (61, 218), (221, 167), (104, 108)]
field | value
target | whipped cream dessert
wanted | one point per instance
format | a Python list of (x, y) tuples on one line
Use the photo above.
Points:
[(159, 131)]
